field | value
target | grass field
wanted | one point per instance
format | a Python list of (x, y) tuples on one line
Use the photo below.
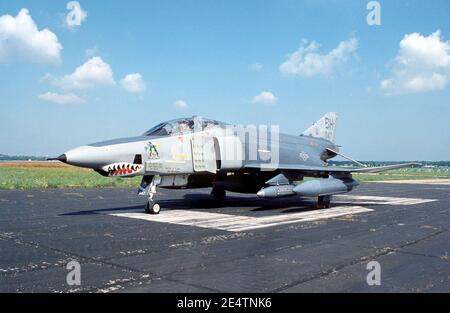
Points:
[(27, 175), (36, 174), (406, 174)]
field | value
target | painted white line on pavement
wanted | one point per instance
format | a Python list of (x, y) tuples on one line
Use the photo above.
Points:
[(238, 223)]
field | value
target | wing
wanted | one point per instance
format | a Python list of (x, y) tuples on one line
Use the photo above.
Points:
[(327, 169)]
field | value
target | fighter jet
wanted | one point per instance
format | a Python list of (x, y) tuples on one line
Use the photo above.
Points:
[(197, 152)]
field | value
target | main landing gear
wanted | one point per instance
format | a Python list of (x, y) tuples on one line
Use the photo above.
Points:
[(324, 202), (148, 188), (219, 193)]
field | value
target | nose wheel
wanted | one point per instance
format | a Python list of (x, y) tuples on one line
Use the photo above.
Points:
[(152, 207), (148, 188)]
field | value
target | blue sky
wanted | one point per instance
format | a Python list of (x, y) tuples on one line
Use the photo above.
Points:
[(224, 60)]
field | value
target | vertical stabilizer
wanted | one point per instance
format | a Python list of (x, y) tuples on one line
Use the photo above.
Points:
[(324, 128)]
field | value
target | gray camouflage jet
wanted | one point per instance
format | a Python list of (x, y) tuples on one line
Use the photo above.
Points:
[(196, 153)]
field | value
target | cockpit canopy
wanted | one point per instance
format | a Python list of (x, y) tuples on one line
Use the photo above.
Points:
[(182, 126)]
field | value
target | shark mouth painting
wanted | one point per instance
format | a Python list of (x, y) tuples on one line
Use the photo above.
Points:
[(122, 169)]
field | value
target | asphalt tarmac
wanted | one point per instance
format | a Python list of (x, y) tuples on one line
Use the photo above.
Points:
[(244, 245)]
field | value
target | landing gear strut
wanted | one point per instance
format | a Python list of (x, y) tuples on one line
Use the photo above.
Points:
[(218, 193), (149, 189), (324, 202)]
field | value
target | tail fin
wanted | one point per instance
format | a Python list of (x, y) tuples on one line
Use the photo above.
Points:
[(324, 128)]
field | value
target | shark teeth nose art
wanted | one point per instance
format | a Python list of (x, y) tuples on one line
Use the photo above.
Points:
[(122, 169)]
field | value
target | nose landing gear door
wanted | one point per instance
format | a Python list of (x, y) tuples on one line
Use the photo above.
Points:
[(203, 150)]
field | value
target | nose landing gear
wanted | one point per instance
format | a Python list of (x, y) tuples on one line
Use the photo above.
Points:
[(148, 188)]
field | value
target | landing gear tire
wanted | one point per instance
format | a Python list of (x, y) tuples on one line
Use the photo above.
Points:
[(219, 194), (152, 207), (324, 202)]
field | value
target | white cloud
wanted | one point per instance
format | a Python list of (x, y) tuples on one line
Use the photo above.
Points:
[(68, 98), (90, 52), (76, 16), (95, 72), (422, 64), (257, 67), (265, 97), (46, 77), (20, 37), (133, 83), (307, 62), (181, 104)]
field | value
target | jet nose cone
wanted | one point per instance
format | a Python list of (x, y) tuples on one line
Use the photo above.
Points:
[(261, 193), (62, 158), (88, 156)]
